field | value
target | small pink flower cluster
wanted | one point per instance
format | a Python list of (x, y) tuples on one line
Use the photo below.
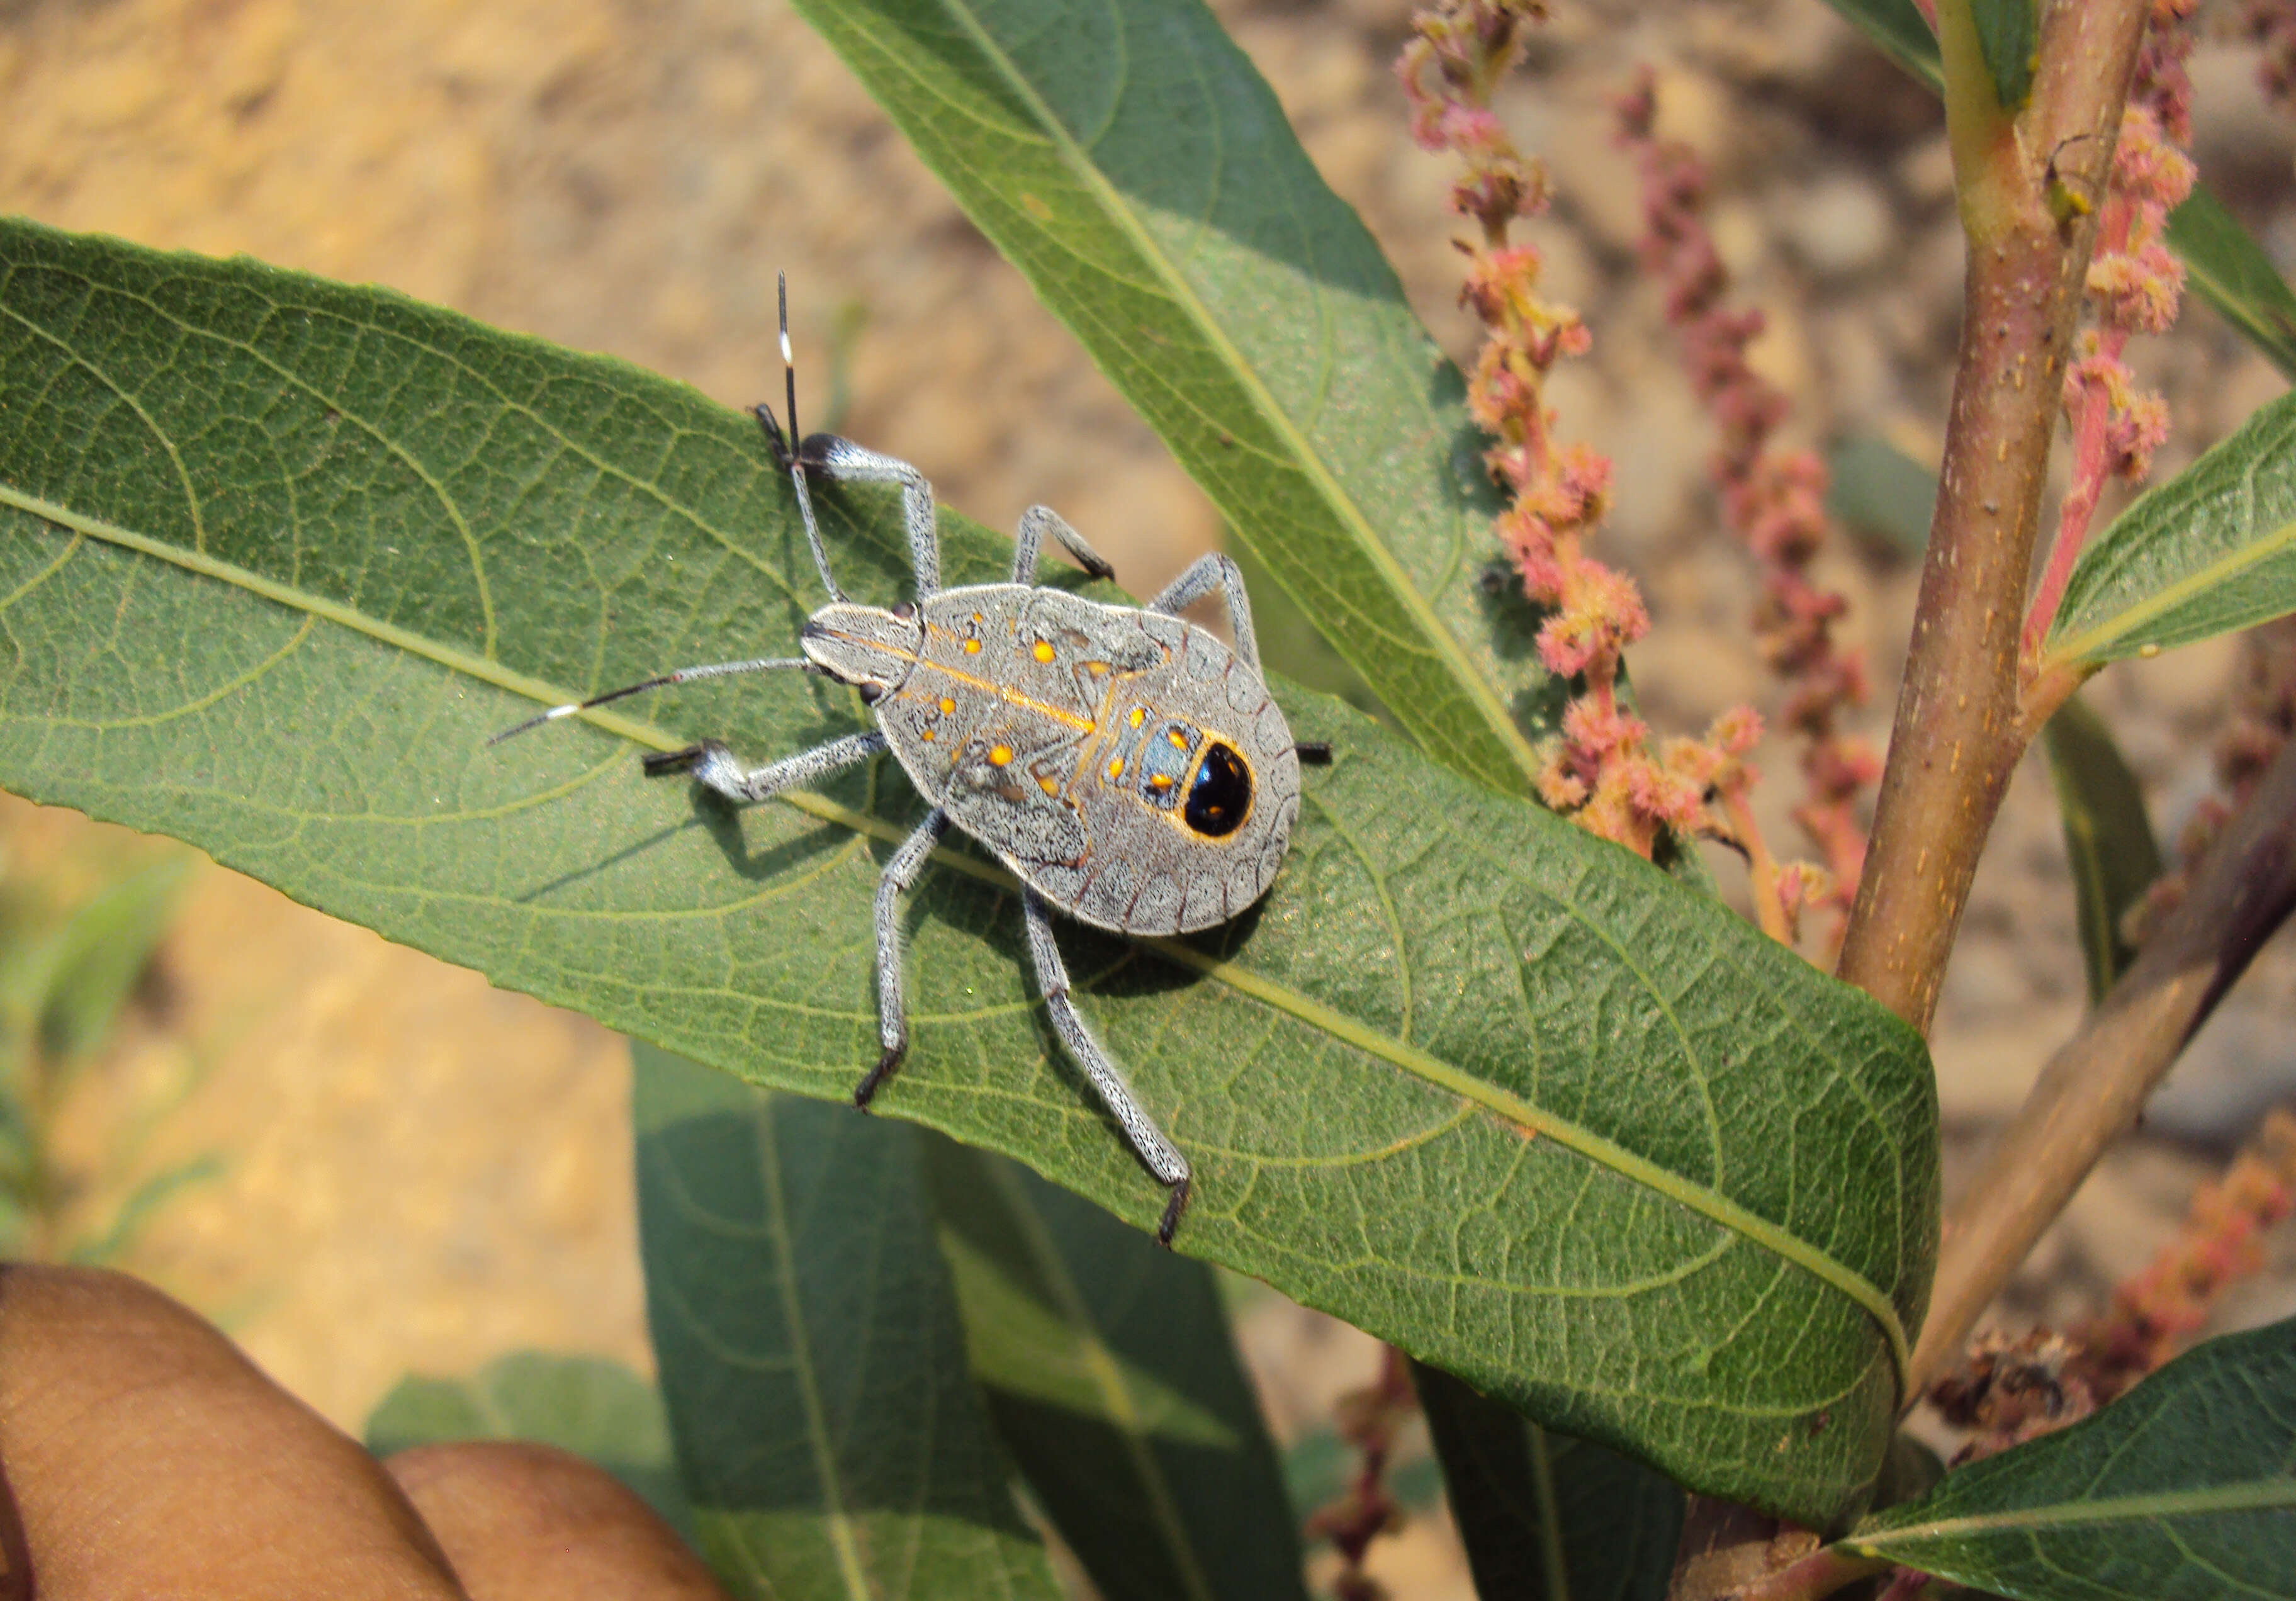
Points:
[(1601, 770), (1369, 1419), (2008, 1390), (2155, 1313), (2271, 24), (1773, 500), (2263, 721), (2136, 285)]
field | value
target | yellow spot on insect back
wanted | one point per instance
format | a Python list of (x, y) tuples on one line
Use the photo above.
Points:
[(998, 755), (1139, 716), (972, 647), (1179, 740), (1051, 786), (1116, 767), (1161, 781), (947, 705), (1042, 651), (1096, 669)]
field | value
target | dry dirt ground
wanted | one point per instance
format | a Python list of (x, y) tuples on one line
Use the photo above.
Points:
[(418, 1172)]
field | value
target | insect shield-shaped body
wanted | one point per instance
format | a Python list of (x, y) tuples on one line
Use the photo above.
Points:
[(1127, 765), (1130, 768)]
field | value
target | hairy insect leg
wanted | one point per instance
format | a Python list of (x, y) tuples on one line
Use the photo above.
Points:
[(892, 1016), (1157, 1153), (1203, 575), (1038, 521), (848, 463), (713, 766)]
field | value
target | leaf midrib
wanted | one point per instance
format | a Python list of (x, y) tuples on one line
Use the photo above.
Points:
[(1106, 1373), (2104, 636), (1406, 1057), (2256, 1495), (841, 1534), (1310, 461)]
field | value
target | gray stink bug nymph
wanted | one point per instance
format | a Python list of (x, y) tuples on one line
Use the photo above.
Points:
[(1130, 769)]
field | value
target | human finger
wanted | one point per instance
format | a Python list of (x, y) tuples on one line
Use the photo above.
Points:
[(144, 1454), (527, 1522)]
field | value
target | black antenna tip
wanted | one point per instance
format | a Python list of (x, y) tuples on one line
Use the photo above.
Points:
[(1315, 752), (789, 363)]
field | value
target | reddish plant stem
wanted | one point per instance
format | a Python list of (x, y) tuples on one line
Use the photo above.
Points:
[(1956, 733)]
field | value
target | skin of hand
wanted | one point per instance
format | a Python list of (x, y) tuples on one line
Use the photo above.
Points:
[(141, 1455)]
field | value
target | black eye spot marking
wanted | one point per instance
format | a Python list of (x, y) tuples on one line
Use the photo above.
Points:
[(1221, 794)]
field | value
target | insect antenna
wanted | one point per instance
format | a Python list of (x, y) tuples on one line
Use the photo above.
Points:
[(787, 447), (683, 675), (1314, 752)]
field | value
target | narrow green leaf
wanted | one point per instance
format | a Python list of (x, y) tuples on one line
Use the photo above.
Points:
[(96, 957), (142, 1204), (2107, 837), (2006, 33), (1896, 28), (828, 1435), (1545, 1517), (2211, 551), (1133, 164), (278, 555), (595, 1409), (2222, 260), (2184, 1490), (1112, 1380), (1289, 644), (1879, 487)]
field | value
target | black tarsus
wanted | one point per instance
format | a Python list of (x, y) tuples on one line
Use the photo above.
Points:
[(865, 1091), (1173, 1208), (789, 361)]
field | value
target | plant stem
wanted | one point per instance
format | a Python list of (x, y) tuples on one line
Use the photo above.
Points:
[(2094, 1085), (1957, 733)]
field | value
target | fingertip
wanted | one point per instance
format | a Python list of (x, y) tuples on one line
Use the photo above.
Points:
[(522, 1522)]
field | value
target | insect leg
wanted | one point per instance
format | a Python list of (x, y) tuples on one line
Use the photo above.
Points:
[(1038, 521), (713, 766), (1197, 582), (892, 1018), (1159, 1154), (848, 463)]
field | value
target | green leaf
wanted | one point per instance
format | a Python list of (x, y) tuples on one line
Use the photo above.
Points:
[(1896, 28), (2222, 260), (141, 1205), (1877, 487), (828, 1435), (2006, 33), (1133, 164), (2183, 1489), (95, 958), (1289, 644), (1111, 1378), (2108, 838), (1545, 1517), (1469, 1079), (595, 1409), (2211, 551)]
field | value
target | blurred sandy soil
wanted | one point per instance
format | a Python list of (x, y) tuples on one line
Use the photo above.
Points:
[(422, 1173)]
